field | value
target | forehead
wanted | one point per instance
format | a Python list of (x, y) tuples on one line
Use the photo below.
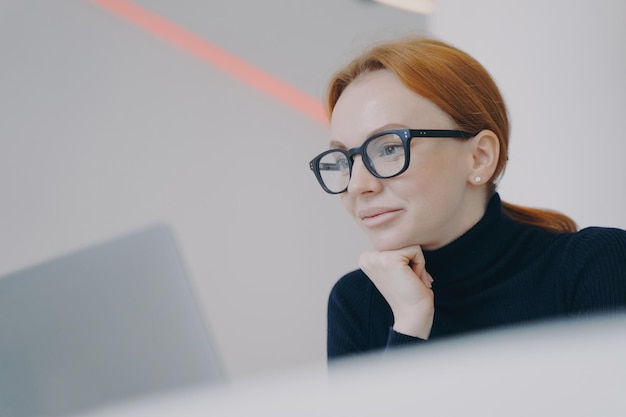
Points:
[(377, 101)]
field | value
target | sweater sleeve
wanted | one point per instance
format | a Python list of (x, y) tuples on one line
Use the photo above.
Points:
[(359, 319), (347, 317), (596, 270), (396, 339)]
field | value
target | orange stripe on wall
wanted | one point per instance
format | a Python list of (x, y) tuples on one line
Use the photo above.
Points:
[(218, 57)]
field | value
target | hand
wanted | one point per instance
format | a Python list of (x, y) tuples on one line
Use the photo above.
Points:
[(401, 277)]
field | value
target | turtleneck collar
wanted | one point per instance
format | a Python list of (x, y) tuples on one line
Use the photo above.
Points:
[(460, 263)]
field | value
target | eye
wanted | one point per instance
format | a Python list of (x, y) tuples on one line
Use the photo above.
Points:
[(334, 161), (386, 146), (342, 163), (390, 150)]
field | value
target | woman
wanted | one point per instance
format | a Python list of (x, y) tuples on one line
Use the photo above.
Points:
[(419, 138)]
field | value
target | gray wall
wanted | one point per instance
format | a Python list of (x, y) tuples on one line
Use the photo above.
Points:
[(106, 128), (560, 65)]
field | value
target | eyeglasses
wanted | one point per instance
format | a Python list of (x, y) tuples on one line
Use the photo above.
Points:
[(385, 155)]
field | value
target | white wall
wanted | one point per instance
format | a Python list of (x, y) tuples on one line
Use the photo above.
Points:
[(560, 65)]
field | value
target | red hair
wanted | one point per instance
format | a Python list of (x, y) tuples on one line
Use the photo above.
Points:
[(462, 88)]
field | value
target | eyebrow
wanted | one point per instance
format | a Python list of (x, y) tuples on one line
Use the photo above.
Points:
[(335, 144)]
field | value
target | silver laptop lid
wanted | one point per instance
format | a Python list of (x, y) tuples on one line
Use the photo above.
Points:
[(107, 323)]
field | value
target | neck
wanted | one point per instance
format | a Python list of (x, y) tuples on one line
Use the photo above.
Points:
[(474, 207), (476, 250)]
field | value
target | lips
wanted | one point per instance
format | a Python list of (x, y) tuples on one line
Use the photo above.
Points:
[(375, 216)]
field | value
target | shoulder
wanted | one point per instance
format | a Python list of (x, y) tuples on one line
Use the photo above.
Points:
[(595, 268), (354, 294), (597, 241), (359, 318), (353, 285), (600, 249)]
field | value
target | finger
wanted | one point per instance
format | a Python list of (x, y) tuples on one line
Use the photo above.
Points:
[(426, 278), (418, 264)]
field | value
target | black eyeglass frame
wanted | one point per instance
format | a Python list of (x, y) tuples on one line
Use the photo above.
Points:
[(405, 135)]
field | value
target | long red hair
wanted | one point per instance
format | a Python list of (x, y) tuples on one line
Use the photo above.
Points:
[(462, 88)]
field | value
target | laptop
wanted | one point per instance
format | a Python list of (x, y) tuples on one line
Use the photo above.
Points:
[(108, 323)]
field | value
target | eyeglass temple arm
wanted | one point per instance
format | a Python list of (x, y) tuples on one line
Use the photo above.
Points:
[(327, 166), (441, 133)]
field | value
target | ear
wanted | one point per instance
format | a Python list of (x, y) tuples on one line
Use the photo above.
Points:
[(485, 154)]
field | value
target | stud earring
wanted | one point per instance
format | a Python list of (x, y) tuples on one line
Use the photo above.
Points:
[(477, 179)]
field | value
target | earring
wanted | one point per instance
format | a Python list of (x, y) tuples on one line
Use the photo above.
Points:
[(477, 179)]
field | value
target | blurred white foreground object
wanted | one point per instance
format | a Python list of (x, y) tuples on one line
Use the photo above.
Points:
[(573, 368)]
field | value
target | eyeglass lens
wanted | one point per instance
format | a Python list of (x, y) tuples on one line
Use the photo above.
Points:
[(384, 157), (334, 170)]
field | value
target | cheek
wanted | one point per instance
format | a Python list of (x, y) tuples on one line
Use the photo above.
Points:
[(422, 175), (438, 169), (348, 203), (428, 182)]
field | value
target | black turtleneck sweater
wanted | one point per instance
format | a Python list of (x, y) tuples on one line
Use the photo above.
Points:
[(498, 273)]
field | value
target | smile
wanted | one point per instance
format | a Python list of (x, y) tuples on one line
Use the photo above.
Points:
[(373, 218)]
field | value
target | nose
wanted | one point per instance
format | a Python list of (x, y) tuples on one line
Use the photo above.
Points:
[(361, 180)]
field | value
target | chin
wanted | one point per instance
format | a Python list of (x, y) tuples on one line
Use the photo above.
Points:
[(386, 244)]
